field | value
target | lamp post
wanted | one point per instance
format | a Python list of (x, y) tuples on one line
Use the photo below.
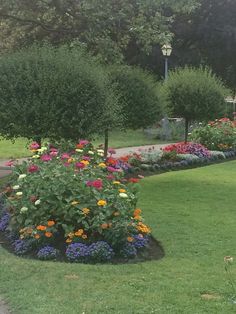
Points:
[(166, 51)]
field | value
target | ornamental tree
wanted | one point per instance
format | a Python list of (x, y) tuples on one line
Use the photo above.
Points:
[(194, 94), (56, 93)]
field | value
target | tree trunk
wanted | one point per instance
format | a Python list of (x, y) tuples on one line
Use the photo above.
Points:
[(106, 143), (186, 131)]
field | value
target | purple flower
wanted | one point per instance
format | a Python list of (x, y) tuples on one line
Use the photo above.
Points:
[(100, 251), (77, 252), (128, 251), (47, 253), (22, 246), (4, 221), (140, 241)]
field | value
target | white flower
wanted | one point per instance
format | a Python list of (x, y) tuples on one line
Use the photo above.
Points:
[(21, 176), (23, 210), (16, 187), (200, 123), (19, 193), (79, 150), (35, 156), (123, 195), (101, 154), (37, 202), (90, 152), (100, 151)]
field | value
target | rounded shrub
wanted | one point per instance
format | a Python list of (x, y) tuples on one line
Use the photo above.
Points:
[(56, 93), (138, 96)]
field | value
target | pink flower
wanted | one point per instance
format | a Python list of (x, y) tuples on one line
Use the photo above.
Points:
[(79, 165), (112, 169), (110, 177), (67, 164), (34, 146), (65, 156), (33, 168), (53, 152), (111, 151), (9, 163), (46, 158), (83, 142)]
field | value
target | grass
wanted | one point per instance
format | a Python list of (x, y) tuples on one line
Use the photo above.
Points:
[(117, 139), (191, 212)]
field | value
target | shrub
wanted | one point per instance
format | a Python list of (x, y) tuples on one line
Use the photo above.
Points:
[(194, 94), (217, 135), (56, 93), (139, 98), (75, 197)]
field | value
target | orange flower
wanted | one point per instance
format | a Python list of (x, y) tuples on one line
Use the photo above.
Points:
[(68, 240), (85, 162), (137, 217), (104, 226), (51, 223), (122, 190), (79, 146), (79, 233), (137, 212), (36, 236), (130, 239), (48, 234), (41, 228), (84, 236)]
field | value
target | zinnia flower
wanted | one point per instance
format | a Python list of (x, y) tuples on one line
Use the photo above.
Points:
[(102, 203), (21, 176), (33, 168), (46, 158), (123, 195), (23, 210), (37, 202), (51, 223), (48, 234)]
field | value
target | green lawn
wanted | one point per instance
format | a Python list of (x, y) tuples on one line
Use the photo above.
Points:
[(117, 139), (191, 212)]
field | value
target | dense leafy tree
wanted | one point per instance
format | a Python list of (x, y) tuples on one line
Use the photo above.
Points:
[(54, 93), (194, 94), (110, 28)]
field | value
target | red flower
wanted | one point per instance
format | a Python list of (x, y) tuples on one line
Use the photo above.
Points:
[(33, 168), (133, 180), (96, 184), (79, 165)]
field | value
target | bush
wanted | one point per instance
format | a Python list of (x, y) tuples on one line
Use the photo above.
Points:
[(194, 94), (56, 93), (77, 198), (217, 135), (139, 98)]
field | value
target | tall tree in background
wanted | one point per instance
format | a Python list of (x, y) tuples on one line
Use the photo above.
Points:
[(112, 29)]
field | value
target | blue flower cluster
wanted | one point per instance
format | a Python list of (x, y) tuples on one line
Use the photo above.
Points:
[(4, 221), (22, 246), (128, 251), (140, 241), (47, 253), (99, 251)]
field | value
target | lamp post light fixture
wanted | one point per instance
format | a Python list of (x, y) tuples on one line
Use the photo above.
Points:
[(166, 51)]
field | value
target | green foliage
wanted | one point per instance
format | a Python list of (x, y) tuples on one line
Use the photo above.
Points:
[(54, 93), (138, 96), (195, 94), (217, 135), (61, 195)]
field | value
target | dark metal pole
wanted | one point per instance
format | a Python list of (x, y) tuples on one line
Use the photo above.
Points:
[(166, 68)]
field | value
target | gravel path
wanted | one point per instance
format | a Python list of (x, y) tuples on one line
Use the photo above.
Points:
[(3, 308)]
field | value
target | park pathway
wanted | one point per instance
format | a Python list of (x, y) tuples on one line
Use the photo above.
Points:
[(4, 170), (3, 307)]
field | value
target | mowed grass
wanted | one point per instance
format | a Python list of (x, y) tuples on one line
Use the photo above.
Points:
[(191, 212), (117, 139)]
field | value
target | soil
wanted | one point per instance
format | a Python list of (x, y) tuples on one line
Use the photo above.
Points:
[(154, 251)]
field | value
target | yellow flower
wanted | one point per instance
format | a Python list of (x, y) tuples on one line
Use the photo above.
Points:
[(116, 182), (79, 233), (74, 203), (122, 190), (85, 210), (68, 240), (35, 156), (102, 165), (71, 235), (102, 203), (85, 162)]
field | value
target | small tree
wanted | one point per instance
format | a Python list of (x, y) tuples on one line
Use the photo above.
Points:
[(138, 96), (194, 94), (56, 93)]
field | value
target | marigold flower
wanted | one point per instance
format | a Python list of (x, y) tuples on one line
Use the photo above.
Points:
[(48, 234), (122, 190), (130, 239), (51, 223), (104, 226), (41, 228), (68, 240), (71, 235), (102, 203), (79, 233), (84, 236), (36, 236), (85, 211), (137, 217), (137, 212)]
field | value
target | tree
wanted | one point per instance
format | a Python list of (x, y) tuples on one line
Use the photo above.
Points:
[(54, 93), (109, 28), (138, 96), (194, 94)]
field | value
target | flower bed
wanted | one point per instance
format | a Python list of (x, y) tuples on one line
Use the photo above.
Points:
[(73, 204)]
